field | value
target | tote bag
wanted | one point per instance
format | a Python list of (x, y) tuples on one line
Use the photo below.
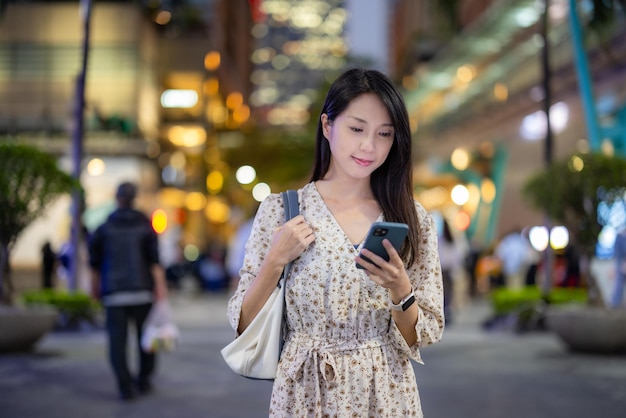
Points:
[(255, 353)]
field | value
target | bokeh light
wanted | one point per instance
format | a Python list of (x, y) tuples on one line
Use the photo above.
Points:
[(459, 194), (245, 174), (261, 191), (538, 237)]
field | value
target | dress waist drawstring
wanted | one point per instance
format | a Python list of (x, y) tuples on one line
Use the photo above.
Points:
[(320, 354)]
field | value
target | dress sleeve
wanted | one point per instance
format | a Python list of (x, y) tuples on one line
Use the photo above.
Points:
[(425, 276), (269, 216)]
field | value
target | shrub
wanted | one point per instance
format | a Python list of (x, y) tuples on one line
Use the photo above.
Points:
[(73, 307), (507, 301)]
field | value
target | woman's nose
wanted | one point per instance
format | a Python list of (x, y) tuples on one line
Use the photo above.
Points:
[(367, 144)]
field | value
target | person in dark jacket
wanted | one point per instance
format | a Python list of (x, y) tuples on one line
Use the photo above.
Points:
[(48, 262), (127, 278)]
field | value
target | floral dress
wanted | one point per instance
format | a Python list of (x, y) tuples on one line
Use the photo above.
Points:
[(344, 355)]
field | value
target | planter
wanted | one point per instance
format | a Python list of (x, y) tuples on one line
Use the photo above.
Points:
[(588, 329), (21, 328)]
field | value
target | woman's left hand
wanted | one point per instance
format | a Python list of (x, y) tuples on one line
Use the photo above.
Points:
[(388, 274)]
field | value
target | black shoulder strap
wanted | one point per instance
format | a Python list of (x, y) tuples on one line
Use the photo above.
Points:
[(292, 209)]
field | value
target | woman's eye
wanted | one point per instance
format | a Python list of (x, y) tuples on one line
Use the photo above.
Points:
[(386, 134), (354, 129)]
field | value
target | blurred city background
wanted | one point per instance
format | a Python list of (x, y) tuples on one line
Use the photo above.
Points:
[(210, 105)]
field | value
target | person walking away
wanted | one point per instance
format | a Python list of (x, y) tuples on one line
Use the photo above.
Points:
[(48, 262), (127, 278), (351, 332), (619, 254), (451, 260)]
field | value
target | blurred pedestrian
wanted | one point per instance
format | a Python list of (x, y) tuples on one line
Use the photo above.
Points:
[(127, 277), (48, 263), (451, 262), (77, 262), (470, 260), (619, 254), (210, 268), (516, 255), (236, 252), (351, 332)]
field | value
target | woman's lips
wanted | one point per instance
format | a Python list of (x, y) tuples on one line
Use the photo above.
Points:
[(361, 162)]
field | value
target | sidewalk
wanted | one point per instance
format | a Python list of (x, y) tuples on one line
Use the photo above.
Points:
[(470, 373)]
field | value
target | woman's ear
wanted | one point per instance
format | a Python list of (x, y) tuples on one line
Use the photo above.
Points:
[(325, 125)]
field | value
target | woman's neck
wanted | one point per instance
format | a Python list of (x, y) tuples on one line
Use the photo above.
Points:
[(344, 189)]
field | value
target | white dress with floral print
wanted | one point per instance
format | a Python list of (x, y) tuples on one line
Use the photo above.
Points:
[(344, 356)]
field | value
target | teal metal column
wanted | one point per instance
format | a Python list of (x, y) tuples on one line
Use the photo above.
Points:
[(584, 79), (498, 170)]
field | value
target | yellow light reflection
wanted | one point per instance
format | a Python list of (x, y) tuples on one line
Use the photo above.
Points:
[(195, 201), (217, 114), (178, 160), (214, 182), (96, 167), (234, 100), (460, 159), (211, 87), (169, 196), (488, 190), (187, 136), (217, 211), (212, 60), (576, 164), (465, 73), (500, 92), (159, 221), (241, 114)]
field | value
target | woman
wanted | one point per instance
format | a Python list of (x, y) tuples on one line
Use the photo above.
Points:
[(348, 350)]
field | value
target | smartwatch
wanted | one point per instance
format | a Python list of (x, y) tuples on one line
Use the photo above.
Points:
[(404, 304)]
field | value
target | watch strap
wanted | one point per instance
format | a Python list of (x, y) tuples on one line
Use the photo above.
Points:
[(405, 303)]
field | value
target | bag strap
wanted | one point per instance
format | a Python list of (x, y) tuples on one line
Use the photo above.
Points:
[(292, 209)]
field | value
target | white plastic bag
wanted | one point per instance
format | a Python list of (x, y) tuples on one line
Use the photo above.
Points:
[(159, 331)]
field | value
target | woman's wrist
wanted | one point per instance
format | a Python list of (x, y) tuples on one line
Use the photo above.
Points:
[(397, 294), (404, 303)]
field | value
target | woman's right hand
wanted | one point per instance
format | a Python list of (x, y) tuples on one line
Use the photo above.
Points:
[(290, 240)]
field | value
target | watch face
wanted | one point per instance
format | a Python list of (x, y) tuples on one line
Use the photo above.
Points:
[(406, 305)]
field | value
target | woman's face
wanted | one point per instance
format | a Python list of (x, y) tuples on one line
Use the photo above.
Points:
[(360, 137)]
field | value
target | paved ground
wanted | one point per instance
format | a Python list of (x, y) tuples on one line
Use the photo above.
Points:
[(471, 373)]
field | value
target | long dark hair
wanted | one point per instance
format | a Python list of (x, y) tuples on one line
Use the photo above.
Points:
[(391, 182)]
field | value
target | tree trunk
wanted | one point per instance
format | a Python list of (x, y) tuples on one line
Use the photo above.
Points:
[(6, 284)]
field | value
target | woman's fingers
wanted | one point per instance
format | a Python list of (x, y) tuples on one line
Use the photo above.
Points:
[(292, 238), (385, 273)]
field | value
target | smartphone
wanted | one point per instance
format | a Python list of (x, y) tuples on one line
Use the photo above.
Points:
[(393, 231)]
